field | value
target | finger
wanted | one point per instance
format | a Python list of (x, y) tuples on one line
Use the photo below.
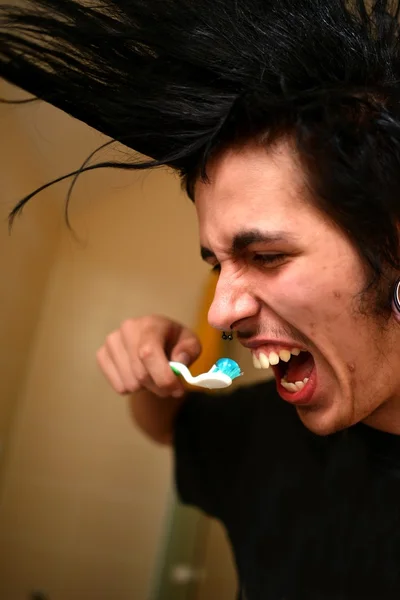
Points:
[(110, 371), (147, 356), (145, 380), (155, 363), (142, 376), (116, 350), (187, 348)]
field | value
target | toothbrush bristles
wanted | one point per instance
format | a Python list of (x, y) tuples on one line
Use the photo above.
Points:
[(227, 366)]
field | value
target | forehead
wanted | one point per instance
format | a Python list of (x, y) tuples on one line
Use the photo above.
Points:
[(254, 187)]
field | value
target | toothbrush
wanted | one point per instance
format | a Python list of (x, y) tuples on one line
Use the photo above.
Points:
[(219, 376)]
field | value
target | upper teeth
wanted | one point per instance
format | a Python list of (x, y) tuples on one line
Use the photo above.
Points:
[(263, 361)]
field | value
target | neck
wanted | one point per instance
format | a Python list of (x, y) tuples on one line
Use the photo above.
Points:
[(386, 417)]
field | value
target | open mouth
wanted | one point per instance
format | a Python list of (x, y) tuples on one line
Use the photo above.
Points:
[(294, 372)]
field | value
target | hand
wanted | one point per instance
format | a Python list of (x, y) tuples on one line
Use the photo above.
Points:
[(135, 356)]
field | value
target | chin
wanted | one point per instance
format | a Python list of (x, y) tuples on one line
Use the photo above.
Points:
[(321, 420)]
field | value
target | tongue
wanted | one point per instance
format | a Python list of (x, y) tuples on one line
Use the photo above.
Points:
[(299, 367)]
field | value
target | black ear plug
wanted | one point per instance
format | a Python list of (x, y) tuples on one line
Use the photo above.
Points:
[(396, 295)]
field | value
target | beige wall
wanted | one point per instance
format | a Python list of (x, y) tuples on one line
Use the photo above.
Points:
[(84, 494), (25, 259)]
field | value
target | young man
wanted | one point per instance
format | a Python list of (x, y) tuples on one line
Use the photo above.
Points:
[(312, 512), (283, 119)]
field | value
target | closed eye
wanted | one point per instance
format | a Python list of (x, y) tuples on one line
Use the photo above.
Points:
[(268, 259), (261, 260)]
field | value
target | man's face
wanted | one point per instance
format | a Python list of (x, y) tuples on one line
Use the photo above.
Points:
[(290, 280)]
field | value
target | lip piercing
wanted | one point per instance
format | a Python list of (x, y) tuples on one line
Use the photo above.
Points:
[(229, 336)]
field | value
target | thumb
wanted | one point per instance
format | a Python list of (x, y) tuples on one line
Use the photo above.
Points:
[(186, 350)]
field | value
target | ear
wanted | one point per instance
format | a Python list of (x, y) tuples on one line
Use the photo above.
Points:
[(396, 300)]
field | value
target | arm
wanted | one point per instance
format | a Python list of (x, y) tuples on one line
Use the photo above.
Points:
[(155, 416)]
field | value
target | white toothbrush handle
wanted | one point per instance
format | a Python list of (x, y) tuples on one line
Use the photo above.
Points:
[(212, 381), (183, 370)]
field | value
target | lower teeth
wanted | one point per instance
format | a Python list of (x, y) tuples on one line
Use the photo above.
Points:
[(294, 387)]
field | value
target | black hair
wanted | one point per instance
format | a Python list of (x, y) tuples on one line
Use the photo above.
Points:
[(180, 80)]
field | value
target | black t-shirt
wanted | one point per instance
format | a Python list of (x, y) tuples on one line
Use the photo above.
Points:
[(308, 517)]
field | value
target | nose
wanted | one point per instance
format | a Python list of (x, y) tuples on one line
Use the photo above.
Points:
[(232, 302)]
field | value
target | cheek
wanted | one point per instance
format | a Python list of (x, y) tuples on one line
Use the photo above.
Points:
[(322, 301)]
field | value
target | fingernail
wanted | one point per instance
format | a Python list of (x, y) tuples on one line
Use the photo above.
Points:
[(178, 393), (184, 358)]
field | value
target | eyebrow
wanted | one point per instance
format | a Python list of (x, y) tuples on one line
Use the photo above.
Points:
[(242, 240)]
